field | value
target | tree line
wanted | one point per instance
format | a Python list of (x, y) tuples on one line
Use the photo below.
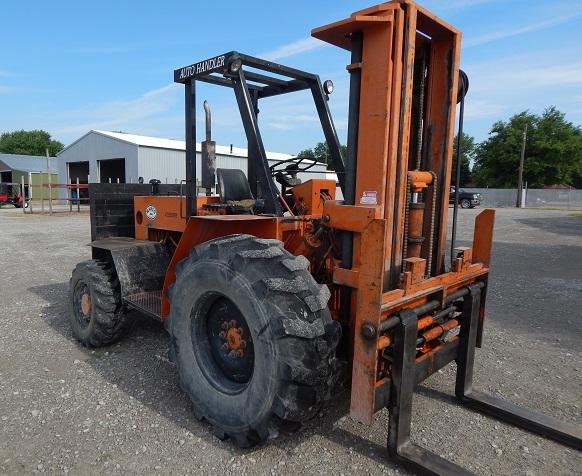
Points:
[(29, 143), (553, 152)]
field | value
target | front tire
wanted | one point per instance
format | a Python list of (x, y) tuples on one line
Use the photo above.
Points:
[(465, 203), (242, 288), (96, 314)]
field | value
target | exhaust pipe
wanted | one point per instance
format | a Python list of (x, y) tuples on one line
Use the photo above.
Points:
[(208, 154)]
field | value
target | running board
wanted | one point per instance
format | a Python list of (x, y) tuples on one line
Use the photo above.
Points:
[(404, 379), (149, 303)]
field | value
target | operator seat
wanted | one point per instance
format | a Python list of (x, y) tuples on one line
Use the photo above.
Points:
[(235, 192)]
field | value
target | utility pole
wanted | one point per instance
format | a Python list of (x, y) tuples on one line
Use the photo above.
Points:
[(520, 173), (50, 189)]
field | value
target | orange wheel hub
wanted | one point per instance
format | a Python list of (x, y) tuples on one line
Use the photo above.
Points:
[(86, 304)]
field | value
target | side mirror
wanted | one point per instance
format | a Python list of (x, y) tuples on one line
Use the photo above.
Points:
[(463, 85)]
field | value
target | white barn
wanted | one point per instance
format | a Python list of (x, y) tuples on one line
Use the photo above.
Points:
[(102, 156)]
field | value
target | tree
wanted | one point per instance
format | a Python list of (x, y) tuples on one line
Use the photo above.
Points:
[(321, 153), (468, 148), (553, 152), (308, 153), (29, 143)]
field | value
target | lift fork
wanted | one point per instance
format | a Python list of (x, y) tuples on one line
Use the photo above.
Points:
[(404, 379)]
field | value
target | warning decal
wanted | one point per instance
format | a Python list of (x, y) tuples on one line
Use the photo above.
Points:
[(369, 198)]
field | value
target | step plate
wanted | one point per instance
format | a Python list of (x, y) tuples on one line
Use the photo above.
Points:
[(149, 302)]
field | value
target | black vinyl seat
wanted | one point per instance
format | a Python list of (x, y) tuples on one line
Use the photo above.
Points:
[(233, 186), (235, 192)]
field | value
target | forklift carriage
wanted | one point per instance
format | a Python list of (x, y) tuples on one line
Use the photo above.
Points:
[(268, 292)]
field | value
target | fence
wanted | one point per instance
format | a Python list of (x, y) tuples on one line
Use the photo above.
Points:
[(75, 192), (74, 195), (534, 198)]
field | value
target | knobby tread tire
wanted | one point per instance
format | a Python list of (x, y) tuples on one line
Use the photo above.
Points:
[(107, 315), (297, 334)]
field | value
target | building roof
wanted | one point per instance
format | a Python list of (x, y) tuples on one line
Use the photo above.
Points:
[(145, 141), (159, 143), (26, 163)]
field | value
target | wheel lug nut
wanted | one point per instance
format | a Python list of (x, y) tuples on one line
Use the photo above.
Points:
[(240, 330)]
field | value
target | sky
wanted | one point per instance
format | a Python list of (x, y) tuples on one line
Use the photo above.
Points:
[(72, 66)]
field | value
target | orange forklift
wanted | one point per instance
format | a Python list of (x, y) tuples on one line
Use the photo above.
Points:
[(270, 288)]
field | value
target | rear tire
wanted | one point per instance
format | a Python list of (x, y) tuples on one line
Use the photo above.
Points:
[(96, 313), (287, 366)]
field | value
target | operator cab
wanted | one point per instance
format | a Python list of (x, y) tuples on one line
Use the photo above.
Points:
[(236, 196), (256, 192)]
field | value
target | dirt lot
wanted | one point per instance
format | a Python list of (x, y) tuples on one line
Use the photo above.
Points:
[(67, 409)]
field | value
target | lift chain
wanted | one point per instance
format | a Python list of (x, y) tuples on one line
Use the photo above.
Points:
[(432, 220), (420, 115), (406, 219)]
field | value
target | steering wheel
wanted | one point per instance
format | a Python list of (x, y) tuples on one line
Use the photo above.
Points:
[(292, 166), (285, 171)]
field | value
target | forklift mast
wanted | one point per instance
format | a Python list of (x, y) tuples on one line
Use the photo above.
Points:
[(403, 94), (404, 81)]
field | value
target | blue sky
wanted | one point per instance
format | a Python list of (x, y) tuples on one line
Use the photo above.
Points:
[(68, 67)]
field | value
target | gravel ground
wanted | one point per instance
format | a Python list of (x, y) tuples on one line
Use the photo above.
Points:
[(67, 409)]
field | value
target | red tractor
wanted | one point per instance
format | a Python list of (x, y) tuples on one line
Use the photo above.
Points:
[(10, 194)]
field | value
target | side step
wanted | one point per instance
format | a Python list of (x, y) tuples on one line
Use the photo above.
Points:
[(149, 303)]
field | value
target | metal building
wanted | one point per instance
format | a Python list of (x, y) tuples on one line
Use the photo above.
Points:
[(102, 156), (33, 168)]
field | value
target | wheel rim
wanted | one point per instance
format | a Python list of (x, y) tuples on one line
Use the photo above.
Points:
[(82, 304), (465, 203), (223, 344)]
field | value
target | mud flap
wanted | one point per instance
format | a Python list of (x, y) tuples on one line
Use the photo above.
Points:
[(140, 265)]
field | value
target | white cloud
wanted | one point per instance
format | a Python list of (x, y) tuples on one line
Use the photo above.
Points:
[(126, 115), (501, 34), (508, 85), (480, 108), (292, 49), (524, 75)]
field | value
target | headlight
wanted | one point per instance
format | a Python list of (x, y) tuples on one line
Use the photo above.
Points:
[(476, 195), (328, 86), (235, 65)]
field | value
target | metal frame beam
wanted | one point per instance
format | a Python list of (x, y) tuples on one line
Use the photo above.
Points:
[(191, 186), (265, 183)]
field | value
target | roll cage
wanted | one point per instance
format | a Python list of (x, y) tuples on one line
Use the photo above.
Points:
[(249, 85)]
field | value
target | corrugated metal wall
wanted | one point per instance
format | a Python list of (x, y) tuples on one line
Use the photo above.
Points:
[(167, 165), (92, 148)]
